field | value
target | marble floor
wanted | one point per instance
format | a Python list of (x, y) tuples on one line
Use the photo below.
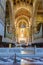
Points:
[(21, 61)]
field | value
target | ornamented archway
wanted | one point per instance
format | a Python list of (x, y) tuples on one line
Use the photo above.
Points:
[(22, 20), (21, 17)]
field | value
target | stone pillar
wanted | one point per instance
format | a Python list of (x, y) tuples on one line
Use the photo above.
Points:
[(34, 17)]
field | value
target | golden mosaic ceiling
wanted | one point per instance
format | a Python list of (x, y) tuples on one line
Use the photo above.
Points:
[(21, 12)]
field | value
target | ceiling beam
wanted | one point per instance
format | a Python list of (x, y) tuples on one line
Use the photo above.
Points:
[(40, 10)]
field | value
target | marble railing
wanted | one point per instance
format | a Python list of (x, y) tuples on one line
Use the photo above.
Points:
[(21, 51)]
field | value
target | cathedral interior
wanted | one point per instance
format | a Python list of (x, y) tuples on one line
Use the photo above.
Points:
[(21, 22)]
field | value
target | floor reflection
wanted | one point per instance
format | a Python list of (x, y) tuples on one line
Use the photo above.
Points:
[(30, 62)]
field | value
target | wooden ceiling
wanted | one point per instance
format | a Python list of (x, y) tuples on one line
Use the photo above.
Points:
[(30, 2), (40, 7)]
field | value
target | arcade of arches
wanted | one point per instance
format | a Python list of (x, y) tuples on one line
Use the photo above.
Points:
[(22, 21)]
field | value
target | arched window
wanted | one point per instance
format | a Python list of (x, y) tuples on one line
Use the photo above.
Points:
[(22, 25)]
